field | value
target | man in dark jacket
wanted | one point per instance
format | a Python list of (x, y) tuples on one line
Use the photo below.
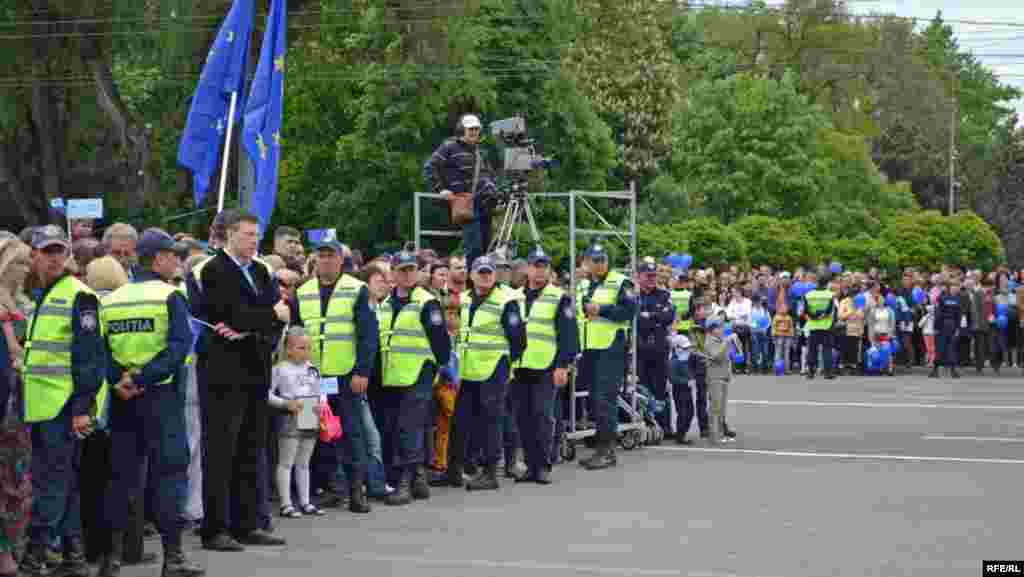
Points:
[(452, 169), (951, 318), (241, 300)]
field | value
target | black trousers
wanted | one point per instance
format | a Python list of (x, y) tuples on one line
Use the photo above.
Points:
[(821, 339), (652, 366), (234, 439)]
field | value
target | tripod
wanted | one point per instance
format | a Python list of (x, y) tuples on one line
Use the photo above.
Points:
[(517, 211)]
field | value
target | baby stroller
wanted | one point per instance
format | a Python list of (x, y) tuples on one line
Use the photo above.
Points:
[(636, 419)]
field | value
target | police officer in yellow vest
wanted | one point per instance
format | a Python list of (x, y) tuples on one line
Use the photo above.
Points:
[(820, 314), (513, 284), (335, 309), (492, 339), (682, 299), (148, 339), (417, 346), (552, 339), (607, 305), (64, 370)]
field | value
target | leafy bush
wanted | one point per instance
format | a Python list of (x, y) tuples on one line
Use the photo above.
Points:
[(777, 243), (929, 240)]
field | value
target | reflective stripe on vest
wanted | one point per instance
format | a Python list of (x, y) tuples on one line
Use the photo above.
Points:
[(599, 334), (681, 300), (332, 335), (137, 321), (407, 347), (48, 381), (483, 341), (541, 337), (818, 301)]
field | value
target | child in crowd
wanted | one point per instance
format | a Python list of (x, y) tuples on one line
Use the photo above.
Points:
[(295, 383), (719, 375), (760, 323), (783, 331), (881, 323), (927, 325)]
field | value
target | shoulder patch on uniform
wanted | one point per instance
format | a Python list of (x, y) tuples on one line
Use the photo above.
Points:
[(513, 319), (569, 312), (628, 292), (436, 318), (87, 321)]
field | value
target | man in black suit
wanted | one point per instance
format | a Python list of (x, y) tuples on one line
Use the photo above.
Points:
[(241, 300)]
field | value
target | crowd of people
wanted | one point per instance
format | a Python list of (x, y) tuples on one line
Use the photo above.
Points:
[(194, 383)]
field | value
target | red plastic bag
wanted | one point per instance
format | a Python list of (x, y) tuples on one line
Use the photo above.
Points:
[(330, 425)]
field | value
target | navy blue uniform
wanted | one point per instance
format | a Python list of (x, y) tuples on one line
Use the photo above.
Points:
[(151, 429), (533, 391), (56, 451), (404, 411), (948, 319), (653, 324)]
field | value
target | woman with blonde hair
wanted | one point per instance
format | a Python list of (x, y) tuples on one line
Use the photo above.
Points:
[(105, 275), (15, 441)]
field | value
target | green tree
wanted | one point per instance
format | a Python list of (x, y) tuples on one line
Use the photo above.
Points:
[(778, 243)]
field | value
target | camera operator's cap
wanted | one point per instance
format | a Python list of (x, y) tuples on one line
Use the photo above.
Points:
[(538, 256), (471, 121), (405, 260), (49, 235), (484, 264), (154, 241), (647, 265), (596, 252)]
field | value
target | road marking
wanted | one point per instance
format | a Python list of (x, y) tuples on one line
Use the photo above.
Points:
[(852, 456), (530, 566), (966, 438), (1015, 408)]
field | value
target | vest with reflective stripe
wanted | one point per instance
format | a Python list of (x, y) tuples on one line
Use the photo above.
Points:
[(408, 347), (681, 300), (818, 301), (137, 322), (183, 290), (483, 340), (599, 334), (333, 335), (541, 338), (48, 381)]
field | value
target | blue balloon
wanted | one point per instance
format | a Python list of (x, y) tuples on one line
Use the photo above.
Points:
[(780, 367), (1002, 321), (1002, 309), (836, 268), (686, 261), (728, 329), (739, 358), (860, 301), (895, 345), (919, 295), (874, 358), (884, 353), (891, 301)]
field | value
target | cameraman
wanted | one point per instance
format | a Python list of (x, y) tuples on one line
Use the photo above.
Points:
[(452, 167)]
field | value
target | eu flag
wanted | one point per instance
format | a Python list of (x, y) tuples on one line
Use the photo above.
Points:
[(263, 113), (223, 74)]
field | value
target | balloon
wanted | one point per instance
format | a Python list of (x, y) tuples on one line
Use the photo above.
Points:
[(895, 345), (739, 358), (919, 295), (728, 329), (884, 353), (836, 268), (860, 301), (891, 301), (686, 261), (1002, 309), (1002, 321), (874, 358), (780, 367)]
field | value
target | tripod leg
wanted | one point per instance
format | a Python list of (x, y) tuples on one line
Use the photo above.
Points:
[(534, 234)]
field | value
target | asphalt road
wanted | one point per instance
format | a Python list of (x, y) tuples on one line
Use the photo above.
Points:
[(859, 476)]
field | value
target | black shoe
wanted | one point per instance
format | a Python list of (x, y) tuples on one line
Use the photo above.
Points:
[(486, 480), (74, 563), (810, 375), (110, 565), (222, 542), (402, 494), (682, 440), (542, 476), (935, 372), (953, 373), (602, 458), (454, 476), (177, 565), (830, 376), (420, 488), (331, 500), (35, 562), (260, 538), (726, 431), (357, 501), (705, 434)]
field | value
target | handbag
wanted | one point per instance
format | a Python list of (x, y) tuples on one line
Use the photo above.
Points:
[(460, 204), (330, 425)]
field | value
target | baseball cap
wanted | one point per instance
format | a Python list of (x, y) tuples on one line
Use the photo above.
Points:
[(331, 245), (596, 252), (647, 265), (538, 256), (154, 241), (49, 235), (470, 121), (404, 260), (483, 264)]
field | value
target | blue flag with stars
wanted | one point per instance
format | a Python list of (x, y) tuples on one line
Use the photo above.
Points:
[(201, 142), (263, 113)]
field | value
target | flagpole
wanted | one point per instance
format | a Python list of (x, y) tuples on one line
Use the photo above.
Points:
[(227, 152)]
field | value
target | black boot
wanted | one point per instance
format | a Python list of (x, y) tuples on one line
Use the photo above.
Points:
[(74, 564), (954, 373), (402, 495), (111, 564), (420, 487), (357, 501), (177, 565), (454, 475), (935, 372), (487, 480), (35, 562)]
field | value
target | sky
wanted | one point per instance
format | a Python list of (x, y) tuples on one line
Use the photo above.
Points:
[(995, 33)]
